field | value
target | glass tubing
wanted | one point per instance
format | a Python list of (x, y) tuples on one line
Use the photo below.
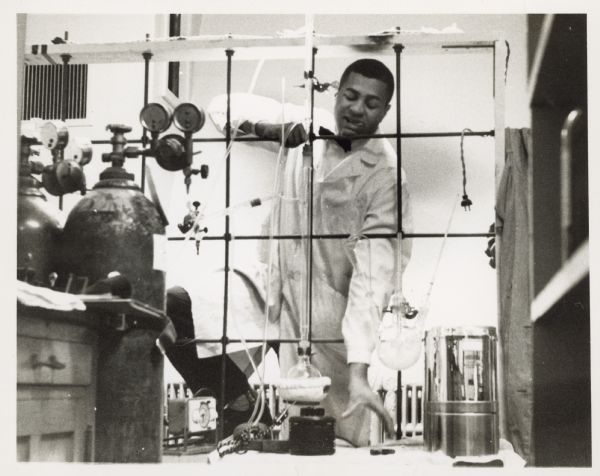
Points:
[(226, 237)]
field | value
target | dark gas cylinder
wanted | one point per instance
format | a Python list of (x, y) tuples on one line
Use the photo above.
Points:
[(38, 228), (116, 228), (38, 234)]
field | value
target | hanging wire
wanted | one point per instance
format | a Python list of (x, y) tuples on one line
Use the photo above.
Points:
[(507, 58), (466, 201)]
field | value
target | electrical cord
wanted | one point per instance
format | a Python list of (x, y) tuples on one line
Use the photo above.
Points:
[(466, 201)]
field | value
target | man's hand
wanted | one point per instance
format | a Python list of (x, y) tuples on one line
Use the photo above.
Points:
[(361, 394), (294, 133)]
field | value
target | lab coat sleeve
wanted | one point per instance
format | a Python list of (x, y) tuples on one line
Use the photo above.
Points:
[(373, 280), (253, 108)]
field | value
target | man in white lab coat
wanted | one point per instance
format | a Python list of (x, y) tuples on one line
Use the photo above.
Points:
[(354, 193)]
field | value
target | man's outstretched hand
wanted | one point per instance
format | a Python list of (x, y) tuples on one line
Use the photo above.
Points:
[(362, 395)]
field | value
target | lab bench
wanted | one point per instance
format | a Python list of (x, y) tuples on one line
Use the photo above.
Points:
[(407, 452), (59, 390), (56, 384)]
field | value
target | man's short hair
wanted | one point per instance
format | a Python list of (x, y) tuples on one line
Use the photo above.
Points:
[(371, 68)]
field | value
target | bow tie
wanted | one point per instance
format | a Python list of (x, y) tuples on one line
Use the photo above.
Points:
[(345, 144)]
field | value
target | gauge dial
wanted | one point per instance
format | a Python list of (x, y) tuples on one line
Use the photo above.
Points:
[(54, 135), (155, 117), (188, 118), (80, 150)]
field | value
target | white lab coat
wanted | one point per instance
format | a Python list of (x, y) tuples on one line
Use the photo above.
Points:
[(353, 193)]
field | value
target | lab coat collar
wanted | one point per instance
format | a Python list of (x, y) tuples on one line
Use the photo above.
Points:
[(364, 154)]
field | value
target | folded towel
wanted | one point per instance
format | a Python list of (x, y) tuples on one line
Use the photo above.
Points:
[(36, 296)]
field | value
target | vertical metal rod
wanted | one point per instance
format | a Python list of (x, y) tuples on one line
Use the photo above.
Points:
[(399, 409), (56, 92), (70, 110), (75, 83), (173, 73), (23, 98), (80, 92), (221, 404), (64, 98), (85, 74), (147, 55), (310, 199), (35, 80), (45, 89), (312, 96), (398, 50)]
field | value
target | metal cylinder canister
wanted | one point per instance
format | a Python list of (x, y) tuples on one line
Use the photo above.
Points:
[(116, 228), (460, 397), (38, 234)]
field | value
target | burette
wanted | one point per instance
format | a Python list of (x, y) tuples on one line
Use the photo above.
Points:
[(307, 173), (303, 382)]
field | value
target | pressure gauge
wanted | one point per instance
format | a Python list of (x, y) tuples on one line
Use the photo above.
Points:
[(54, 135), (188, 118), (80, 150), (155, 117)]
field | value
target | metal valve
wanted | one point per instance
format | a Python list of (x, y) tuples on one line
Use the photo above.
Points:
[(174, 152), (65, 175), (118, 141), (189, 218), (203, 171), (170, 153)]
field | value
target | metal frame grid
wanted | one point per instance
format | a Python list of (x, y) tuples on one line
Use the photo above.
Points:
[(398, 47)]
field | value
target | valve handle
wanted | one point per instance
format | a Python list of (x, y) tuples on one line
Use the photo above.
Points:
[(118, 128)]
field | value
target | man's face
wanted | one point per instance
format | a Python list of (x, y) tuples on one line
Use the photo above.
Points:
[(360, 105)]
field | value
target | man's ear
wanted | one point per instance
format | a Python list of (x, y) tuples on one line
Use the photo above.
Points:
[(387, 108)]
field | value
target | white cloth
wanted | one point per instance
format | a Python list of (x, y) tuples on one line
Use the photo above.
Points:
[(46, 298), (353, 193)]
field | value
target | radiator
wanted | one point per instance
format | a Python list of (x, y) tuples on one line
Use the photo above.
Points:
[(411, 419)]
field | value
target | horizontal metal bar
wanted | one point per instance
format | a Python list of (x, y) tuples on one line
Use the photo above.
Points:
[(257, 341), (405, 135), (466, 46), (211, 47), (409, 135), (341, 236), (450, 235)]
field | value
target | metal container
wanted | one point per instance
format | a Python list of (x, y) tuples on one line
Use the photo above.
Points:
[(461, 407), (116, 228), (38, 234)]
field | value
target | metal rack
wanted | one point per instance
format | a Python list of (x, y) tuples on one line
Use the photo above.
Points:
[(217, 48)]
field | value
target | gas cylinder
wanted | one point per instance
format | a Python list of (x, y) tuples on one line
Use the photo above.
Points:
[(116, 228), (38, 226)]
